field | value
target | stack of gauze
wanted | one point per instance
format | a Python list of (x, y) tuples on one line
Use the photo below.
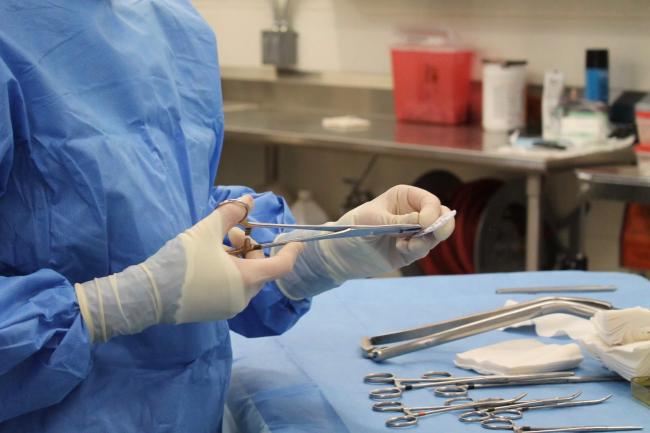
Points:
[(521, 356), (620, 339)]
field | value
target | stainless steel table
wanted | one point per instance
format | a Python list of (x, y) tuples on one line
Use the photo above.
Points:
[(470, 145), (617, 183), (620, 183)]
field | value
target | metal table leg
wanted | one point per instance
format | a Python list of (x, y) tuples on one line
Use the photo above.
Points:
[(575, 257), (534, 216), (271, 170), (583, 203)]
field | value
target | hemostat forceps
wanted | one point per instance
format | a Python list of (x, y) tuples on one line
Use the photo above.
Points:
[(401, 385), (516, 411), (450, 405), (506, 424), (463, 390), (391, 379), (434, 334), (413, 414), (326, 231)]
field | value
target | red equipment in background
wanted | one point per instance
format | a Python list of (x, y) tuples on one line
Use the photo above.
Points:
[(431, 83), (635, 237), (490, 231)]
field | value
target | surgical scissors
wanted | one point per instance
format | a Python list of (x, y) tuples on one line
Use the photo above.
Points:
[(413, 414), (463, 390), (506, 424), (326, 231), (516, 411), (401, 385)]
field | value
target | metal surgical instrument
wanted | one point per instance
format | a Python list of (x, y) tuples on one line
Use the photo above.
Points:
[(413, 414), (401, 385), (506, 424), (326, 231), (434, 334), (390, 378), (516, 411), (556, 289), (396, 406), (463, 390)]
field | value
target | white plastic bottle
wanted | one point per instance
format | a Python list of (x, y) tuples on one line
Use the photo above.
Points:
[(504, 94), (307, 211), (551, 100)]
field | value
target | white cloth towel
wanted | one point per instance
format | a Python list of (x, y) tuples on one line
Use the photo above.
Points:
[(520, 356)]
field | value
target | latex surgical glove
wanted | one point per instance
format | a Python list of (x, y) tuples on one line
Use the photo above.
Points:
[(190, 279), (326, 264)]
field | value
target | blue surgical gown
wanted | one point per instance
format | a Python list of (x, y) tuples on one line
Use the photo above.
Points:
[(111, 127)]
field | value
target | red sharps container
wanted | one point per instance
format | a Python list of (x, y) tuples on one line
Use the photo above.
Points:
[(431, 80)]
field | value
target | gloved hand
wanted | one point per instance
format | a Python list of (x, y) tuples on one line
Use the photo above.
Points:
[(190, 279), (327, 264)]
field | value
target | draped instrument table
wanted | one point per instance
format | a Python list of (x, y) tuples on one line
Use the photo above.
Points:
[(311, 378)]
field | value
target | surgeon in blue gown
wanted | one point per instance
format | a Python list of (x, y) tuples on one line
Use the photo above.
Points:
[(116, 298)]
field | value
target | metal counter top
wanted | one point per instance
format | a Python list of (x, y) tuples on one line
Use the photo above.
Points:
[(301, 127), (627, 175), (620, 183), (465, 144)]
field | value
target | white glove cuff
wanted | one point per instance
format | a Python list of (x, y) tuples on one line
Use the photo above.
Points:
[(116, 305), (310, 274)]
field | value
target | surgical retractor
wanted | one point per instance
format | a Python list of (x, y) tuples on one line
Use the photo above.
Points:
[(379, 348)]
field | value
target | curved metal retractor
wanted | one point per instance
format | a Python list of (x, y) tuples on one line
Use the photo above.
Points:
[(381, 347)]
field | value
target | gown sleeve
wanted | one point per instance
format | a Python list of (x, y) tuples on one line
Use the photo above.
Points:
[(269, 312), (8, 87), (44, 346)]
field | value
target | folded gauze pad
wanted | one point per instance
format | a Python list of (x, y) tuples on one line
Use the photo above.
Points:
[(520, 357), (626, 326)]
